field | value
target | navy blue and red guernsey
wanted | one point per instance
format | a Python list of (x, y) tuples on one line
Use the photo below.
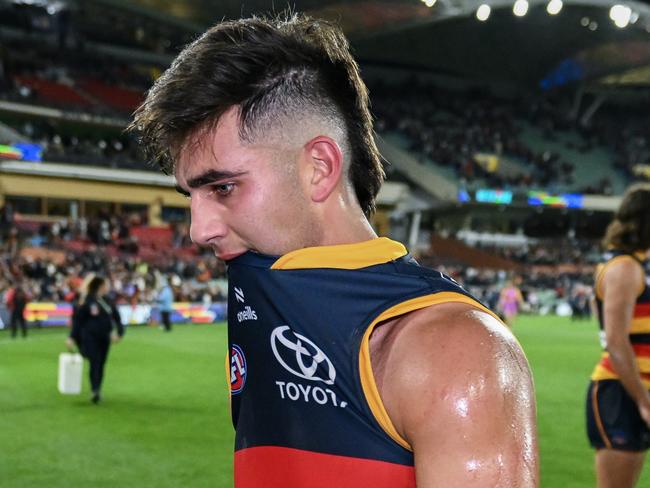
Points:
[(640, 326), (305, 406)]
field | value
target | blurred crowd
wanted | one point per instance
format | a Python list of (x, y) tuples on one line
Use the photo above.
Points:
[(440, 127), (36, 73), (550, 253), (50, 261), (463, 131), (543, 292), (549, 274), (450, 129)]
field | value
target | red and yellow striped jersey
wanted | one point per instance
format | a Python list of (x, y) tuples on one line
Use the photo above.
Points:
[(639, 328)]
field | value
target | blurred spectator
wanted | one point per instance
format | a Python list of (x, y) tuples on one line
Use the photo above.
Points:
[(165, 300), (16, 300)]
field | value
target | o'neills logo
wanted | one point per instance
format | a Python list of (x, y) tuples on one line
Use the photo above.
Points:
[(247, 314)]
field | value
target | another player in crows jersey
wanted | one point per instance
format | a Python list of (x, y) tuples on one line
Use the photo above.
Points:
[(618, 401), (350, 365)]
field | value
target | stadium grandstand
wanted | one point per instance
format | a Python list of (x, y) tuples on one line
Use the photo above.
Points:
[(509, 137), (549, 146), (544, 145)]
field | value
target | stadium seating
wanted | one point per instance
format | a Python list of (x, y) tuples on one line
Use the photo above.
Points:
[(452, 250), (483, 141), (122, 99), (465, 139), (53, 92)]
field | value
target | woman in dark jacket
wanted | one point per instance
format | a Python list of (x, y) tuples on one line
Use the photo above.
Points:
[(92, 331)]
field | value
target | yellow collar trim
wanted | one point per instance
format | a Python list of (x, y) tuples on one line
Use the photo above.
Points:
[(343, 256)]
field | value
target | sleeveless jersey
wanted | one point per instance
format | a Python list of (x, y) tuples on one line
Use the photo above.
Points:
[(640, 327), (305, 407)]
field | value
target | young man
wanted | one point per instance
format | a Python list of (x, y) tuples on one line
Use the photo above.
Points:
[(349, 364)]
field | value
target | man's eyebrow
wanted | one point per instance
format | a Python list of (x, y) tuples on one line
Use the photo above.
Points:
[(182, 191), (211, 176)]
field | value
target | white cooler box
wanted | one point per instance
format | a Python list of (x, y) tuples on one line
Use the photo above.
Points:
[(70, 373)]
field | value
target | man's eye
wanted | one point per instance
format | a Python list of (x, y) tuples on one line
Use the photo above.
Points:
[(223, 189)]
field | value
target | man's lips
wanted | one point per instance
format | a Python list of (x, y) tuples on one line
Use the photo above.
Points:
[(227, 256)]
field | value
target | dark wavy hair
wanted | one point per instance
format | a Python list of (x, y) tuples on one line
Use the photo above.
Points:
[(630, 229), (267, 67)]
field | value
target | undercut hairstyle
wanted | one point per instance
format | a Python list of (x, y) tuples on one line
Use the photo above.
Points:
[(274, 70), (630, 229)]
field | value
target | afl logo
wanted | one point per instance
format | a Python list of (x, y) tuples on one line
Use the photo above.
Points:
[(238, 369), (300, 356)]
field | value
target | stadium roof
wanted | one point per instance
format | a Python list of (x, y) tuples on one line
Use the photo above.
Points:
[(530, 43), (580, 43)]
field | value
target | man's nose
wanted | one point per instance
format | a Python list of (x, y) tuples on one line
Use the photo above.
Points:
[(207, 223)]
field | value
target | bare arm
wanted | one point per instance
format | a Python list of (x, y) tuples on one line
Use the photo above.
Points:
[(620, 288), (459, 390), (520, 298), (502, 295)]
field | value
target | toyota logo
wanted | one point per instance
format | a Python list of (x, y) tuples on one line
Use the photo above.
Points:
[(300, 356)]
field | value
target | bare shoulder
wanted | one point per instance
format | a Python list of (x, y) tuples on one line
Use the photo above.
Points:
[(458, 388), (622, 271), (435, 345)]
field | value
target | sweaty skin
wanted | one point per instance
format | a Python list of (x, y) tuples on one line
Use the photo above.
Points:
[(453, 379), (457, 387)]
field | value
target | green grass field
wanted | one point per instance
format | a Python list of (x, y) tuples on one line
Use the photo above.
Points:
[(164, 421)]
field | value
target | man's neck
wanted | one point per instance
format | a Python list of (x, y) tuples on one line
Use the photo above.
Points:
[(346, 225)]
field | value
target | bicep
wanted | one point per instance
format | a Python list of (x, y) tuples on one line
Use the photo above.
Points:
[(478, 435), (471, 424)]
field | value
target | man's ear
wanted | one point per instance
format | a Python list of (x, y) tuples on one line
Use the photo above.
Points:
[(326, 166)]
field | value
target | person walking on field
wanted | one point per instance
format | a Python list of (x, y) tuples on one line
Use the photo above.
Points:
[(95, 324), (510, 302), (165, 301), (618, 398), (16, 303)]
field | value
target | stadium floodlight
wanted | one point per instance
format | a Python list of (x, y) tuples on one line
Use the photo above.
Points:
[(483, 12), (621, 15), (429, 3), (554, 7), (520, 8)]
